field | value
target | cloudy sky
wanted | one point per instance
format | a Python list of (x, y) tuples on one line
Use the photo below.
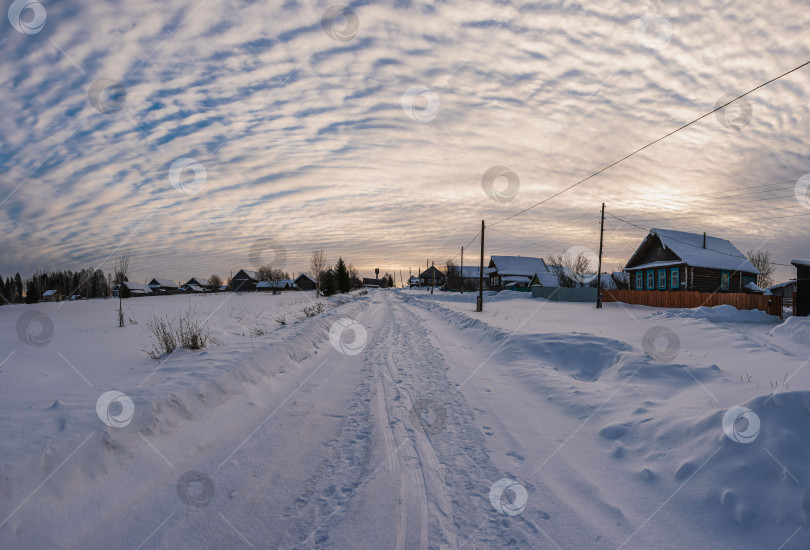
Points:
[(206, 134)]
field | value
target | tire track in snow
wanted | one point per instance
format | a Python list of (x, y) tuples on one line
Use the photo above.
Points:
[(454, 462)]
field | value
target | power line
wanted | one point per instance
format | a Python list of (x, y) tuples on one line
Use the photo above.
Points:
[(670, 218), (550, 241), (465, 246), (743, 188), (652, 143)]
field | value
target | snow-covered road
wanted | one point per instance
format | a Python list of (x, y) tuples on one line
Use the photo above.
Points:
[(425, 428)]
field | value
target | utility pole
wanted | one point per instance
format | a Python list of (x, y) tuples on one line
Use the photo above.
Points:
[(599, 269), (432, 277), (462, 270), (479, 304)]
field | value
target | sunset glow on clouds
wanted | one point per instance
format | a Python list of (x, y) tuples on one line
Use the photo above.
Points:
[(306, 139)]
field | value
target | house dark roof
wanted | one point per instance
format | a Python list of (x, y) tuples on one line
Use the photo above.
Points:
[(718, 254), (252, 274), (305, 276)]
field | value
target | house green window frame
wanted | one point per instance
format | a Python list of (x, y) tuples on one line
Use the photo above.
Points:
[(675, 278), (662, 279), (639, 280), (651, 279), (725, 280)]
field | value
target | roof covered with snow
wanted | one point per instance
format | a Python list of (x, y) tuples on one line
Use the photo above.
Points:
[(802, 263), (718, 254), (518, 265), (469, 271), (165, 283), (49, 293), (548, 279), (138, 288), (281, 283), (782, 285), (198, 281), (305, 276)]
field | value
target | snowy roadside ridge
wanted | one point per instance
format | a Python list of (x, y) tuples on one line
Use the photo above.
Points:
[(663, 429), (186, 387)]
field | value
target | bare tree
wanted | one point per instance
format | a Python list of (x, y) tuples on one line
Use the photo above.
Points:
[(268, 273), (763, 261), (572, 269), (354, 277), (216, 281), (317, 266), (121, 268)]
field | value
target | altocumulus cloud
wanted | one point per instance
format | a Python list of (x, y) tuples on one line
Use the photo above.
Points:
[(302, 133)]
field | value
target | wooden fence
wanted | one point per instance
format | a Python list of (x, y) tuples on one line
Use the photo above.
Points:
[(687, 299)]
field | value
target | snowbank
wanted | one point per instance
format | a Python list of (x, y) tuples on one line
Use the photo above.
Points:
[(717, 314), (794, 331)]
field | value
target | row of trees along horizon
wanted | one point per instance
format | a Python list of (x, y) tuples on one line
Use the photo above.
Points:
[(94, 283)]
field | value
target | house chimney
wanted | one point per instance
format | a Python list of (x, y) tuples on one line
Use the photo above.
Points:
[(704, 239)]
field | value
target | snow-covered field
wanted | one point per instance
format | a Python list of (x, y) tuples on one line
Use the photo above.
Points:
[(400, 419)]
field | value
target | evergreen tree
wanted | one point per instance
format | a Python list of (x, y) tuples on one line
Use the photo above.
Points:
[(2, 292), (9, 290), (18, 289), (329, 283), (31, 293), (344, 283)]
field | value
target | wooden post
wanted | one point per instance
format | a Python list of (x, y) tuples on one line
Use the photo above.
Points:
[(479, 305), (599, 269), (462, 270), (432, 277)]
